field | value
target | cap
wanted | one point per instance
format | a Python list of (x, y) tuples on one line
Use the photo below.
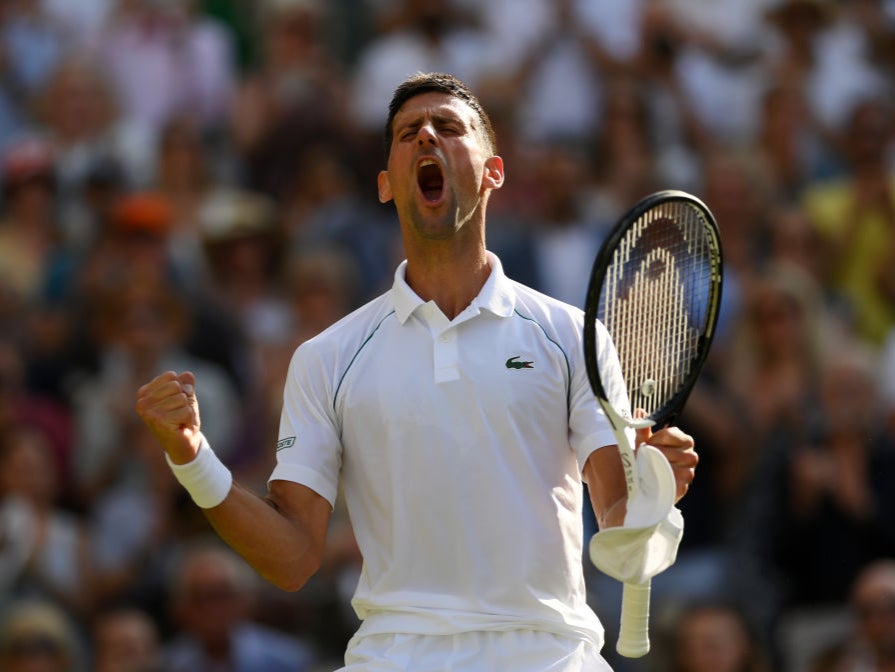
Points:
[(230, 214), (143, 212)]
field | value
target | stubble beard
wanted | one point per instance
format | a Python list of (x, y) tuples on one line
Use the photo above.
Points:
[(444, 225)]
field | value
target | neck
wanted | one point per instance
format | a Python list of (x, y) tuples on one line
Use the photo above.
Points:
[(451, 277)]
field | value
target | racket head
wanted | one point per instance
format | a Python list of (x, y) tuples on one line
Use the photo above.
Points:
[(656, 286)]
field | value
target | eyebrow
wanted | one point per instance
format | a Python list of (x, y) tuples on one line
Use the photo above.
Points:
[(438, 118)]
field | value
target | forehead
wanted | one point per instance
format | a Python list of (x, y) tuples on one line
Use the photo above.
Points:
[(433, 103)]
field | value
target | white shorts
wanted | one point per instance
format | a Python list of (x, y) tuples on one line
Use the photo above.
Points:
[(484, 651)]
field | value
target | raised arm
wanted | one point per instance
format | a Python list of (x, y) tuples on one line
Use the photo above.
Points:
[(282, 535)]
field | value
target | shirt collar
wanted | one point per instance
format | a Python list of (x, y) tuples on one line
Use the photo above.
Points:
[(496, 296)]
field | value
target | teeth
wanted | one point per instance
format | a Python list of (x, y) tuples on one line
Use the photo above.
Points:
[(427, 162)]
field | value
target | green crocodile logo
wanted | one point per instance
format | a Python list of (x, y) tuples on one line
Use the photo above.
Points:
[(513, 364)]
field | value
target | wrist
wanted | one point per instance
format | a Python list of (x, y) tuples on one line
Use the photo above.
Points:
[(205, 477), (186, 449)]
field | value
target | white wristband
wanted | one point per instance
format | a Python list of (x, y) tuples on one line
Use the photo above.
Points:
[(206, 478)]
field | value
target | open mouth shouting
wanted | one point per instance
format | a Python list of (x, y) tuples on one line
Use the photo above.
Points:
[(430, 180)]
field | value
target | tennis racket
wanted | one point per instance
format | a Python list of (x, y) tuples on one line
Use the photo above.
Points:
[(656, 287)]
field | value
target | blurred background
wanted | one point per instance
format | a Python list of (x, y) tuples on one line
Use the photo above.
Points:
[(190, 184)]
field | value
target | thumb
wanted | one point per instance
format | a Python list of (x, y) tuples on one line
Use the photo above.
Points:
[(188, 381)]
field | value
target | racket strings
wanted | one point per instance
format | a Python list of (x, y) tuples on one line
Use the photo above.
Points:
[(653, 301)]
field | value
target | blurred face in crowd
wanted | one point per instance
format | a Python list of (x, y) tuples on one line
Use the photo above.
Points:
[(78, 104), (711, 640), (873, 602), (34, 653), (210, 599), (868, 135), (125, 640), (27, 469), (777, 319), (35, 638)]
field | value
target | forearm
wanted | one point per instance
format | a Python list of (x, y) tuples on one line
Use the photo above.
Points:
[(281, 536), (282, 550), (606, 485)]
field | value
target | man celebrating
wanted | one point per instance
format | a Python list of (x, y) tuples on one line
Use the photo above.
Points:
[(456, 414)]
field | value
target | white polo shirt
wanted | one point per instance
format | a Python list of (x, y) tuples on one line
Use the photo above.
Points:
[(459, 445)]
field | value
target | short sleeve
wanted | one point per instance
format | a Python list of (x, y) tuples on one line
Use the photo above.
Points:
[(589, 428), (309, 450)]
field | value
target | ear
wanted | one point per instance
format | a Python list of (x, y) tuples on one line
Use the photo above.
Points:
[(493, 175), (385, 187)]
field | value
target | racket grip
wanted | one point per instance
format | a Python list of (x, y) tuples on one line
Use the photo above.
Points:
[(633, 637)]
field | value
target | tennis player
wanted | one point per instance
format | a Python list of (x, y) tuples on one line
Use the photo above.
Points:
[(456, 414)]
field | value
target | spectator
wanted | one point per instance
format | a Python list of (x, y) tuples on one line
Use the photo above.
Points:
[(211, 596), (78, 111), (166, 58), (777, 353), (873, 604), (324, 210), (241, 244), (38, 637), (429, 36), (47, 551), (855, 218), (135, 243), (19, 405), (80, 22), (795, 243), (720, 48), (628, 167), (830, 509), (790, 150), (125, 639), (815, 55), (184, 178), (715, 637), (31, 45), (555, 252), (293, 97), (556, 51), (29, 235), (867, 641)]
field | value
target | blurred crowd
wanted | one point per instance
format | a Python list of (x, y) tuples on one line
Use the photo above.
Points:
[(190, 184)]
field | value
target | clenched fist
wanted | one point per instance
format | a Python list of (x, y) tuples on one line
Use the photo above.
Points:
[(168, 406)]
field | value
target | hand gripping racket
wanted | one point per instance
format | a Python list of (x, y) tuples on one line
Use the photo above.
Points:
[(656, 287)]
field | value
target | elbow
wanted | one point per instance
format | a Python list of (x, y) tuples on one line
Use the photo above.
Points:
[(293, 576), (288, 584)]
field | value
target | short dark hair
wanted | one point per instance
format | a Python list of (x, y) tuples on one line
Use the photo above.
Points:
[(437, 82)]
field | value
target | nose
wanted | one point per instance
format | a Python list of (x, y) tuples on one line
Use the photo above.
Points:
[(427, 135)]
